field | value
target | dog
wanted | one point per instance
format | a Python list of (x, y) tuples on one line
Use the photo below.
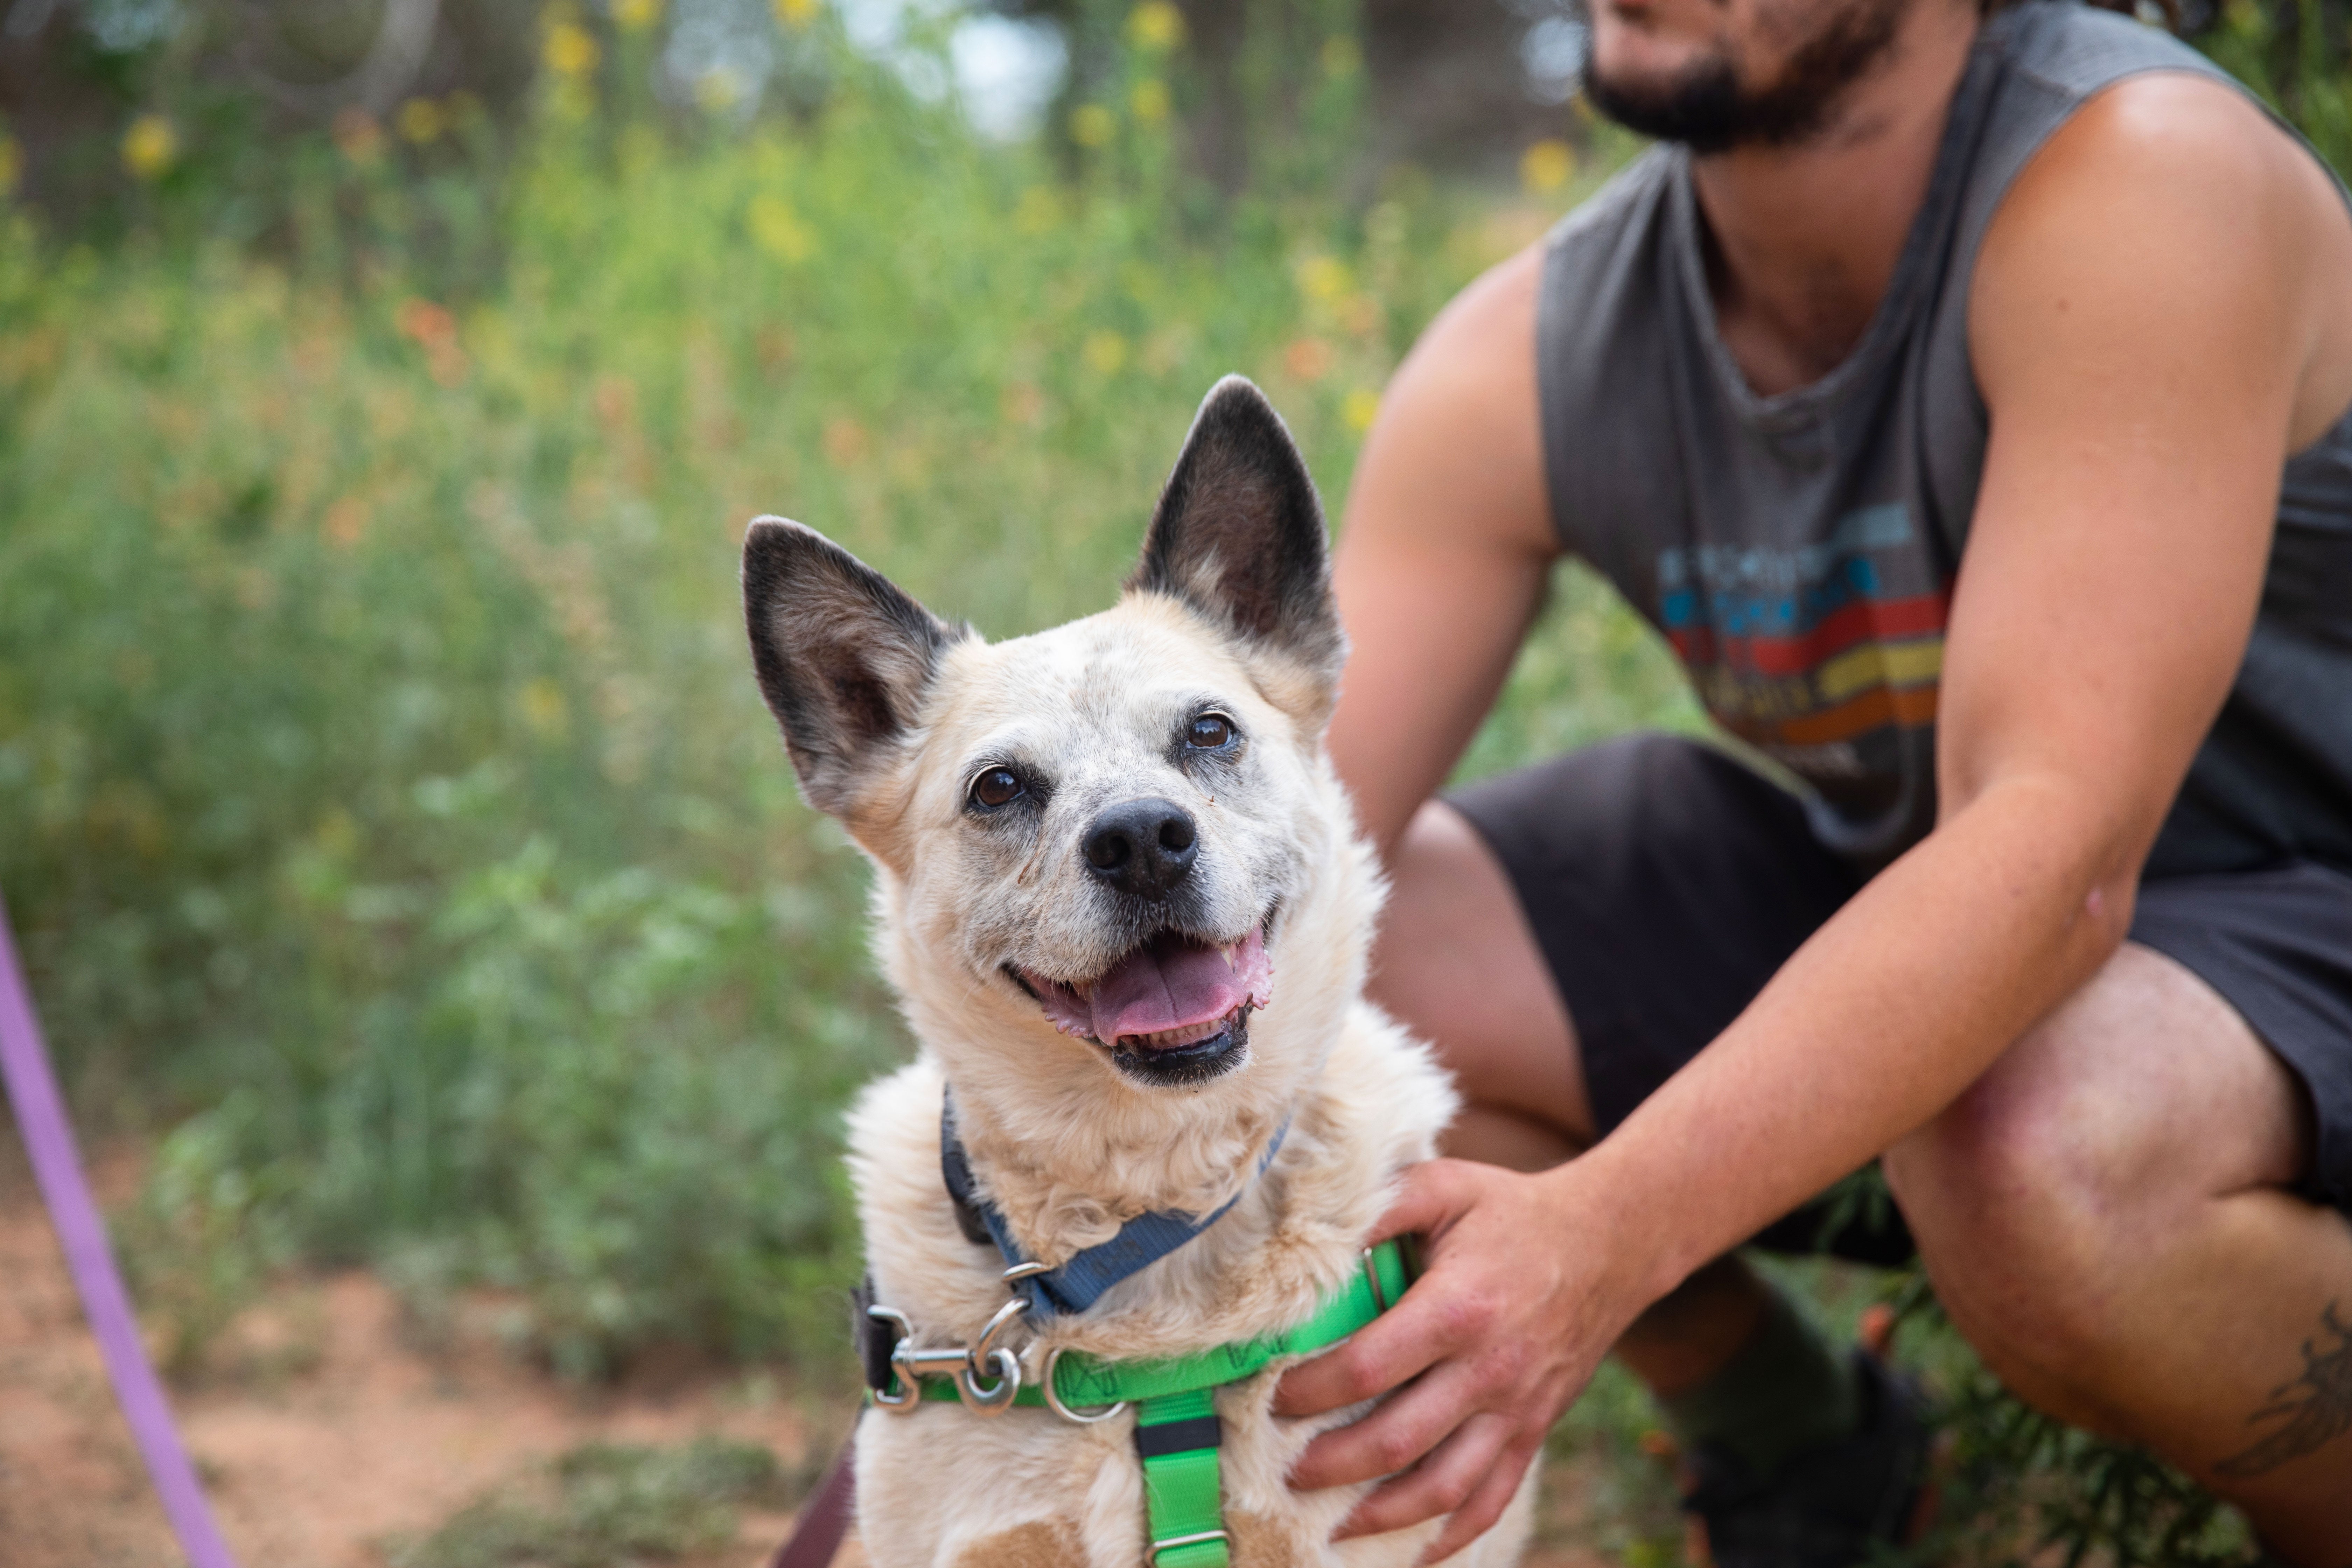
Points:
[(1120, 894)]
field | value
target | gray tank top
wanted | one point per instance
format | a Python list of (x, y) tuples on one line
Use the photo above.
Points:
[(1798, 550)]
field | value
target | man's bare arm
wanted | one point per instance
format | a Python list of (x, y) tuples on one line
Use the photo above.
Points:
[(1446, 547), (2153, 328)]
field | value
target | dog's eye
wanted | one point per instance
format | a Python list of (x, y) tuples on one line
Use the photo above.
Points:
[(995, 786), (1208, 732)]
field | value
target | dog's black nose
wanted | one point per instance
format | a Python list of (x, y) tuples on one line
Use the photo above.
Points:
[(1142, 847)]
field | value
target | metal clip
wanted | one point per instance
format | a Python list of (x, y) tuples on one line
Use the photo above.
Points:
[(909, 1395), (1372, 1277), (966, 1364), (1002, 1362)]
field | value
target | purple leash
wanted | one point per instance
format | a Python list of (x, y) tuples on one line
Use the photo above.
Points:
[(49, 1142)]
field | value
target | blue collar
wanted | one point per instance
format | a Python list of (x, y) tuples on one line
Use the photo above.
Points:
[(1081, 1280)]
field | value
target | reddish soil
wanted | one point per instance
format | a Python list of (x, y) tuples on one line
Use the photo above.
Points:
[(327, 1429), (324, 1430)]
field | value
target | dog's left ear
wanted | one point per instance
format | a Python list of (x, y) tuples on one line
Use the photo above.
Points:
[(1238, 535)]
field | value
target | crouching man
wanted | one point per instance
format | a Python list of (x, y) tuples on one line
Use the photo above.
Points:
[(1964, 394)]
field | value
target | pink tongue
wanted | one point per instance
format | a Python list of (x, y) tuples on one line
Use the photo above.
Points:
[(1171, 983)]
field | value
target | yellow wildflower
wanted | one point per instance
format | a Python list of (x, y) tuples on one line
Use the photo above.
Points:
[(1359, 409), (1324, 278), (1155, 26), (796, 14), (1149, 100), (635, 16), (777, 230), (421, 121), (1546, 166), (570, 52), (1104, 352), (150, 147), (544, 712), (1092, 125), (1039, 210)]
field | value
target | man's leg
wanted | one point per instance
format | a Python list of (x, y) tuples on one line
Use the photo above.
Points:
[(2105, 1216), (1457, 963)]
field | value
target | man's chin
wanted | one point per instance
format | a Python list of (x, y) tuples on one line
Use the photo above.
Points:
[(1691, 97), (1694, 92)]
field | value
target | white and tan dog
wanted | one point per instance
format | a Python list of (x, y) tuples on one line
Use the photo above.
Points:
[(1120, 893)]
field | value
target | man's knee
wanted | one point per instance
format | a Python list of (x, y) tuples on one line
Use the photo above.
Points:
[(2030, 1194)]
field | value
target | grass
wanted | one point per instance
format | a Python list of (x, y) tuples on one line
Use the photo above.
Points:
[(609, 1506), (399, 845)]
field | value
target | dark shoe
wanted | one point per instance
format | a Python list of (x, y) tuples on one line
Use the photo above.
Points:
[(1826, 1509)]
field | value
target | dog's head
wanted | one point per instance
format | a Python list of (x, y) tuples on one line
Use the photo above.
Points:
[(1100, 845)]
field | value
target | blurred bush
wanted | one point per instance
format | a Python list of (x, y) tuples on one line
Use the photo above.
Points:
[(383, 792)]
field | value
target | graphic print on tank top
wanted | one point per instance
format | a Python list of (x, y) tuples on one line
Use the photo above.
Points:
[(1818, 655)]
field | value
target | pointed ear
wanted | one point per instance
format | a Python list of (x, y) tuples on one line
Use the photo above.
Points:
[(843, 657), (1238, 535)]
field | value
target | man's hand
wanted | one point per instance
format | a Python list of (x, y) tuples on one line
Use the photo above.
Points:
[(1498, 1336)]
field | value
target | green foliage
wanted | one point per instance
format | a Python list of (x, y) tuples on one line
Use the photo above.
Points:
[(2026, 1489), (1613, 1454), (2298, 55), (606, 1506), (206, 1233), (383, 796)]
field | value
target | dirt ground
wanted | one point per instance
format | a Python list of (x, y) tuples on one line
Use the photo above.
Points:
[(331, 1430)]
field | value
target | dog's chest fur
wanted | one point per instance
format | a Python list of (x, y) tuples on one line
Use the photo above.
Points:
[(941, 1486)]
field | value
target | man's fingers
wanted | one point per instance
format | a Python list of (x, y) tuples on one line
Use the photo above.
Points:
[(1445, 1478), (1434, 1192), (1479, 1512), (1400, 1344), (1392, 1438)]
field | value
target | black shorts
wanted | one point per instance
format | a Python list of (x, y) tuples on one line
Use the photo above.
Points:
[(1667, 883)]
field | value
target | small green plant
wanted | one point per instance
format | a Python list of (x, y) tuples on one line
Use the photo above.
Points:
[(605, 1506), (2026, 1489), (205, 1234)]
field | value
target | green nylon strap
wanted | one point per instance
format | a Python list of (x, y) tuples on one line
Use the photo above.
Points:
[(1084, 1383), (1182, 1492)]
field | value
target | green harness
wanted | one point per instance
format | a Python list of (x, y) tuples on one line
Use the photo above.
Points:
[(1176, 1428)]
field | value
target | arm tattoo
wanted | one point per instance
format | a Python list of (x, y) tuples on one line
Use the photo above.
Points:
[(2315, 1408)]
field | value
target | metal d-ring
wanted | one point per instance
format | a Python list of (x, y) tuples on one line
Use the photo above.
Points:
[(1054, 1399), (998, 1398)]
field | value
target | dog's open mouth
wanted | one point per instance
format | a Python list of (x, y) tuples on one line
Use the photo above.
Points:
[(1174, 1009)]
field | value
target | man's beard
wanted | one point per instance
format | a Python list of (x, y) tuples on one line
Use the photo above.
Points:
[(1706, 109)]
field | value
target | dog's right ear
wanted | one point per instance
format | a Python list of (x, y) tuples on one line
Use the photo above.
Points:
[(843, 656)]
